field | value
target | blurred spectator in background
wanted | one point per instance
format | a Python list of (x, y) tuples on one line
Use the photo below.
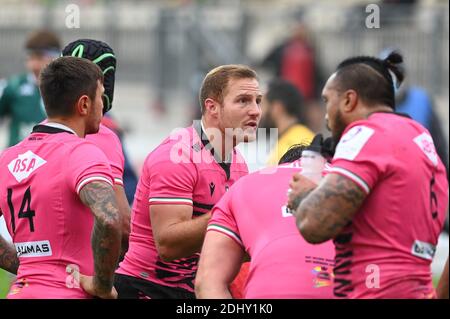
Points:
[(294, 60), (20, 100), (129, 175), (283, 108)]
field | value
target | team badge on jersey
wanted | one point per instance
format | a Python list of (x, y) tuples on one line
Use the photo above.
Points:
[(352, 142), (25, 164)]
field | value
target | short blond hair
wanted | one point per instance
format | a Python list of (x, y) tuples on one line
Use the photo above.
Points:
[(216, 82)]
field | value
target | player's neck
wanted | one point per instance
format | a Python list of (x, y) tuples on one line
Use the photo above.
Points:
[(367, 111), (222, 147), (78, 129)]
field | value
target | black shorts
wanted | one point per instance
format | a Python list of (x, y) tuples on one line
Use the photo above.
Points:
[(129, 287)]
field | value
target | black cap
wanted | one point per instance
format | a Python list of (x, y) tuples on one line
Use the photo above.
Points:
[(101, 54)]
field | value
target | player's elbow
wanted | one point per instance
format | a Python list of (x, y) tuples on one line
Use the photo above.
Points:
[(113, 225), (310, 233), (166, 251), (199, 286), (112, 222), (207, 287)]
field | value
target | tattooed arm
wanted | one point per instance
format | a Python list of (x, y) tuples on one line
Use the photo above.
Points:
[(8, 257), (106, 236), (326, 210)]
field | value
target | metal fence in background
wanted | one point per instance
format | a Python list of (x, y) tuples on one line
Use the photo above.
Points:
[(169, 48)]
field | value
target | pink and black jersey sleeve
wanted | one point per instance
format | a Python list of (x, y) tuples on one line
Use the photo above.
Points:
[(223, 220), (87, 163), (172, 183), (107, 141), (358, 155), (114, 153)]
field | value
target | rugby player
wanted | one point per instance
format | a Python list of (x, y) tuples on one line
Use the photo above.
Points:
[(253, 219), (385, 200), (181, 181), (56, 193)]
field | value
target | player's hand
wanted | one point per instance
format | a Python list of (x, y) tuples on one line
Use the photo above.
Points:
[(87, 283), (299, 187)]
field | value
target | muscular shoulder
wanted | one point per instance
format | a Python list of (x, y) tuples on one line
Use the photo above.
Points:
[(177, 148)]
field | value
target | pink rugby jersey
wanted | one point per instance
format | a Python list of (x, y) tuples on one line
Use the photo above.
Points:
[(283, 265), (387, 249), (182, 170), (40, 179), (110, 144)]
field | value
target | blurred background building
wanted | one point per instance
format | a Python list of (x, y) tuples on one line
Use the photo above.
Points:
[(164, 48)]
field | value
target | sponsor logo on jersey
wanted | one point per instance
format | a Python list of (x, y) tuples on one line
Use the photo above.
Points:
[(323, 276), (25, 164), (425, 143), (423, 250), (286, 212), (26, 89), (34, 249)]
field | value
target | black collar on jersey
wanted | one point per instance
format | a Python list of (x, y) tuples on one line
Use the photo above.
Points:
[(207, 145), (42, 128)]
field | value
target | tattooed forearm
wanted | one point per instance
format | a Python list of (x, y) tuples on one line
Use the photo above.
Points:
[(106, 235), (8, 257), (329, 208), (297, 200)]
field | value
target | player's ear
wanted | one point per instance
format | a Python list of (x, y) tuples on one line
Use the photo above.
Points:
[(212, 107), (350, 100), (83, 105)]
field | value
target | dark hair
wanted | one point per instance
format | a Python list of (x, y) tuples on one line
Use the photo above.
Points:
[(64, 81), (372, 78), (292, 154), (287, 94), (42, 40), (216, 82)]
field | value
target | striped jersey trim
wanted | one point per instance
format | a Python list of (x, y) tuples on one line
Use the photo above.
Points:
[(355, 178), (187, 201), (118, 181), (225, 231), (92, 179)]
